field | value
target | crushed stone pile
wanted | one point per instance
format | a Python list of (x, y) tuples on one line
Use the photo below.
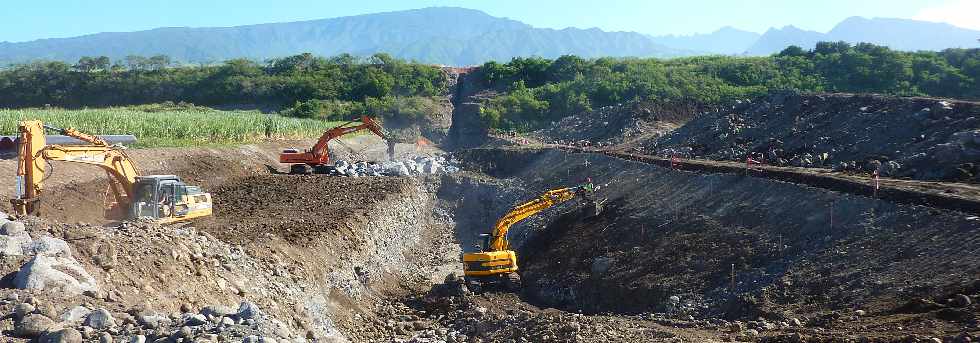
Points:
[(420, 165), (921, 138)]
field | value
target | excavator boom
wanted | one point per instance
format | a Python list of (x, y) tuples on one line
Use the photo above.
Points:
[(498, 238), (320, 153), (497, 262), (34, 153)]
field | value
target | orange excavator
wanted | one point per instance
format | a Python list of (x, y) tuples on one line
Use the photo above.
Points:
[(317, 159)]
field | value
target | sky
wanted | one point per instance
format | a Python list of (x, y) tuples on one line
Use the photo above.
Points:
[(29, 20)]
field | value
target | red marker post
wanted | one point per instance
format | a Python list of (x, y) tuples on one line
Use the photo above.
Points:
[(750, 162)]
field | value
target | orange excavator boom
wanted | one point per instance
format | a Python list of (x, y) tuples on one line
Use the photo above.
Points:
[(320, 153)]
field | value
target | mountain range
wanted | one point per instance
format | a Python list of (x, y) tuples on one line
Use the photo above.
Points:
[(898, 34), (458, 36)]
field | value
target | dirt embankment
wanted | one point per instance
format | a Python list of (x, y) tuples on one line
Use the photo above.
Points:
[(668, 241), (620, 124), (77, 191), (316, 254)]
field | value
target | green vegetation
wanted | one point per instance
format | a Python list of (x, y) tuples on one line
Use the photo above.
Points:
[(385, 107), (537, 91), (163, 125), (532, 91), (95, 82)]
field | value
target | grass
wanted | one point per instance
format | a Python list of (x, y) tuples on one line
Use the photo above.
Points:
[(172, 126)]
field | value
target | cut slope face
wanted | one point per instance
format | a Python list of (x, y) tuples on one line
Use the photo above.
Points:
[(797, 252), (920, 138), (621, 124)]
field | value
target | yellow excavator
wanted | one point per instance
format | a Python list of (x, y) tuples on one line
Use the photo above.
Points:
[(163, 198), (496, 263)]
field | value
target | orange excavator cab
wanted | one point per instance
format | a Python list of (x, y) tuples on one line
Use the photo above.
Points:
[(317, 159)]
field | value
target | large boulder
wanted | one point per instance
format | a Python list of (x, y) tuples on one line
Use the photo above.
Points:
[(58, 273), (15, 245), (14, 239), (50, 246), (248, 310), (33, 325), (12, 228), (76, 314), (100, 319), (68, 335)]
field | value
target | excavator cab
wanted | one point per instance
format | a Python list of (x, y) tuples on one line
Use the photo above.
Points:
[(495, 262), (165, 198)]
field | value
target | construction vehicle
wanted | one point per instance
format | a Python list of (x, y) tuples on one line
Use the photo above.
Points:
[(164, 198), (496, 263), (317, 159)]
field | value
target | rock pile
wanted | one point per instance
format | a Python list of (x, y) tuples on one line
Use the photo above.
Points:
[(49, 266), (422, 165), (82, 323)]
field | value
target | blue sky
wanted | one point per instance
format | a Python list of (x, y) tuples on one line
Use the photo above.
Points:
[(27, 20)]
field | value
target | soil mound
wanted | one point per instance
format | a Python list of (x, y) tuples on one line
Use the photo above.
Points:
[(302, 209)]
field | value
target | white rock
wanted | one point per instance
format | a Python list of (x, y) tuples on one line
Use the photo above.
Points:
[(76, 314), (55, 273), (100, 320), (13, 228), (195, 320), (50, 246), (15, 245)]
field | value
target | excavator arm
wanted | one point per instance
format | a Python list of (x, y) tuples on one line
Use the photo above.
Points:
[(497, 262), (34, 152), (498, 238), (319, 154)]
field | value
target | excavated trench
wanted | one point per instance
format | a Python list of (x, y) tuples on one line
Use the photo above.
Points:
[(717, 245), (332, 258)]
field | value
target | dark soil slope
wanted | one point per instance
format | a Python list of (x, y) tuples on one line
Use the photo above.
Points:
[(920, 138), (670, 240)]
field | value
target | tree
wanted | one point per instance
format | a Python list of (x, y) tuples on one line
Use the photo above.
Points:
[(85, 64), (301, 63), (158, 62), (792, 51), (381, 59), (828, 48), (136, 63), (566, 68)]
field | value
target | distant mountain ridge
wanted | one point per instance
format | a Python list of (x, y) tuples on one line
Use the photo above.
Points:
[(898, 34), (727, 41), (458, 36), (441, 35)]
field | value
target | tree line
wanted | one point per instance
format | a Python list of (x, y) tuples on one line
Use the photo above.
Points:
[(288, 81), (538, 91), (531, 91)]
